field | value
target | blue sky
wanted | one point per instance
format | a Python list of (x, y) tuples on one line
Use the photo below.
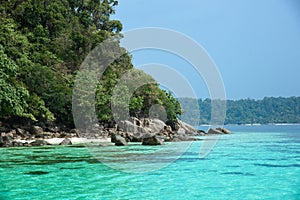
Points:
[(255, 44)]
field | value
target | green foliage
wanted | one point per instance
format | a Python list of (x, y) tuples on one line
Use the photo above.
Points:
[(133, 93), (248, 111), (147, 93), (42, 45), (14, 97), (38, 109), (12, 94)]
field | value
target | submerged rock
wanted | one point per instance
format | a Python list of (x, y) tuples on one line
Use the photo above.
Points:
[(37, 173)]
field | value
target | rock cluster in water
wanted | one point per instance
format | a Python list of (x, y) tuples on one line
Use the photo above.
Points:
[(33, 135), (156, 132), (146, 131), (151, 132)]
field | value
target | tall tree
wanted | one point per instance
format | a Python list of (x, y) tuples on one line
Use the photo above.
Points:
[(46, 42)]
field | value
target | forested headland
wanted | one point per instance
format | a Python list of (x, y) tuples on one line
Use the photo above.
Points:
[(42, 45), (245, 111)]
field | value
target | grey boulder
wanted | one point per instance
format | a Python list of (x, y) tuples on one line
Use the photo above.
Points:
[(224, 130), (66, 141), (118, 140), (150, 139), (214, 131)]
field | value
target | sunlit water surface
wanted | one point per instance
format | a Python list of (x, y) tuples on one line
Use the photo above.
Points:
[(256, 162)]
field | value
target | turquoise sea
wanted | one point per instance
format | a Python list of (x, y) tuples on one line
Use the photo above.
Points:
[(256, 162)]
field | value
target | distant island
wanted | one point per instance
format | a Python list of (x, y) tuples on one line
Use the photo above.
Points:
[(268, 110)]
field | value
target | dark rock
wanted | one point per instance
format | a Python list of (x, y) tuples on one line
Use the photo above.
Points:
[(172, 125), (37, 173), (201, 132), (53, 129), (66, 141), (167, 139), (26, 144), (12, 133), (6, 141), (73, 130), (62, 135), (1, 142), (152, 139), (113, 137), (48, 135), (39, 136), (65, 135), (36, 130), (118, 140), (21, 132), (168, 129), (17, 144), (214, 131), (4, 128), (137, 137), (128, 137), (39, 143), (136, 121)]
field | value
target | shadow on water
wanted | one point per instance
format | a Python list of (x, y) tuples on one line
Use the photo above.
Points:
[(36, 173), (272, 165), (238, 173)]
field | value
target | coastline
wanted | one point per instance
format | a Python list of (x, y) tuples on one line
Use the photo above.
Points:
[(74, 140), (147, 131)]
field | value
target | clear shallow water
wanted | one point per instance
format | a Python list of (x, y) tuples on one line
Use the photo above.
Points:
[(256, 162)]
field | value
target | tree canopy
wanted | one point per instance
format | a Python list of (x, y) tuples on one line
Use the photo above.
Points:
[(42, 45)]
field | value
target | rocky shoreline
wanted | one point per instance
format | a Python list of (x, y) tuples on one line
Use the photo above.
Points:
[(145, 131)]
